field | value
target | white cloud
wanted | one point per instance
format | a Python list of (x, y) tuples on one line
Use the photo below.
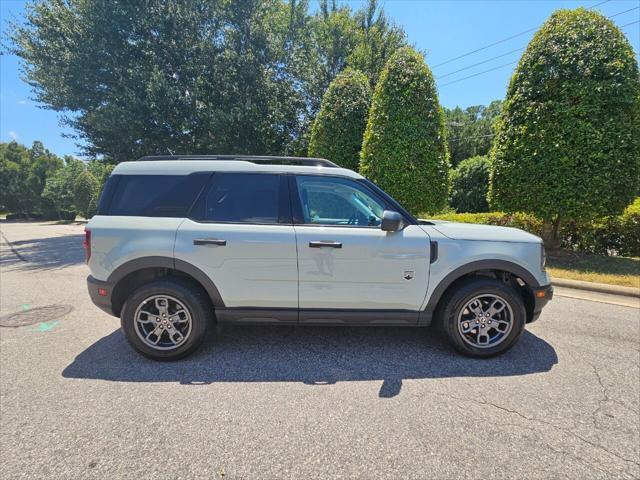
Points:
[(22, 102), (13, 135)]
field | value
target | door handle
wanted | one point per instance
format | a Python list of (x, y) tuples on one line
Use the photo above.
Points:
[(209, 241), (325, 243)]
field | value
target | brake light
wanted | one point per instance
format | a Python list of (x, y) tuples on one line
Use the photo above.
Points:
[(87, 245)]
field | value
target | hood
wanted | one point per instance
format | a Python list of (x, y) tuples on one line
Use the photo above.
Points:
[(490, 233)]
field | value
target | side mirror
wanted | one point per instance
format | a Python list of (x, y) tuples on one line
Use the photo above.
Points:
[(391, 221)]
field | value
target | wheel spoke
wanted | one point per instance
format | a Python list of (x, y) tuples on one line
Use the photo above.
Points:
[(483, 338), (151, 318), (468, 325), (158, 334), (162, 304), (173, 333), (179, 317), (496, 307), (476, 307)]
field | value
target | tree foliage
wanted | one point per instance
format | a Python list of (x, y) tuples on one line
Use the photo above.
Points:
[(470, 131), (86, 189), (59, 190), (469, 185), (162, 76), (338, 128), (23, 172), (404, 148), (568, 140)]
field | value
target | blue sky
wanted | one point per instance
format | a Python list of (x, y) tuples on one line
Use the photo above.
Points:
[(441, 29)]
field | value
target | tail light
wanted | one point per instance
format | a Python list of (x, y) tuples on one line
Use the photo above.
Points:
[(87, 245)]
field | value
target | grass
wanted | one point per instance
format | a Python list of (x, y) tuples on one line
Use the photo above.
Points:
[(594, 268)]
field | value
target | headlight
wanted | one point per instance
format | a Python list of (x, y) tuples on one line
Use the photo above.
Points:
[(543, 257)]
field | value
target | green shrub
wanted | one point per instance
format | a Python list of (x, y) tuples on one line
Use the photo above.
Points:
[(567, 143), (469, 184), (337, 130), (86, 189), (524, 221), (59, 190), (618, 234), (613, 235), (404, 148)]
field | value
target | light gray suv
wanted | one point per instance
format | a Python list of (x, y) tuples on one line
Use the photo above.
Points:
[(182, 242)]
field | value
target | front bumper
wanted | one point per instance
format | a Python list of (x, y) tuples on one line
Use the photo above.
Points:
[(100, 293), (542, 296)]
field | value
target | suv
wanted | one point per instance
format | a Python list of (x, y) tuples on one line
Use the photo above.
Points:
[(181, 242)]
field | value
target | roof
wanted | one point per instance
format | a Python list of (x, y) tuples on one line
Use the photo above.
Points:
[(183, 165)]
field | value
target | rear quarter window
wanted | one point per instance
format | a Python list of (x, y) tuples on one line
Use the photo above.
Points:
[(152, 195)]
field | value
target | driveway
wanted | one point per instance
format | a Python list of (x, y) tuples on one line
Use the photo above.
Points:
[(276, 402)]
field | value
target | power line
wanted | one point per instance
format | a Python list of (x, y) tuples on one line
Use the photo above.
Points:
[(511, 63), (508, 38), (479, 73), (480, 63), (632, 23)]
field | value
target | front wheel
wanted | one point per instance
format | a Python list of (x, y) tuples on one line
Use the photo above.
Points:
[(166, 319), (483, 317)]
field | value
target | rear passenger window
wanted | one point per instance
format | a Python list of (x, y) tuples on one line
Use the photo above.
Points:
[(243, 198), (156, 195)]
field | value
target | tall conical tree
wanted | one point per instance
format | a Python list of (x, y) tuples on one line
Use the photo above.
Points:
[(568, 140), (404, 149), (337, 130)]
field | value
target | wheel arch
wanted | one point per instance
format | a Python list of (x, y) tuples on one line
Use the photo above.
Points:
[(133, 273), (482, 268)]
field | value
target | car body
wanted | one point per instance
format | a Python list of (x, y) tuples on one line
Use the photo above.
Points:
[(283, 240)]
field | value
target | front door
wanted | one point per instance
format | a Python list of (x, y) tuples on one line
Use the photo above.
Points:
[(349, 269)]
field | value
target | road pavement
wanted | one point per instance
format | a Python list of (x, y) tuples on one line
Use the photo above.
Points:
[(276, 402)]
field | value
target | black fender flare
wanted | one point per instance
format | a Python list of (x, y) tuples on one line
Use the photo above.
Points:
[(173, 264), (503, 265)]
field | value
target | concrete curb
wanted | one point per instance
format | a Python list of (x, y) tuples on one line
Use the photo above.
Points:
[(597, 287)]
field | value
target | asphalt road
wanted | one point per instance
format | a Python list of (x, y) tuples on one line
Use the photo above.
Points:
[(77, 402)]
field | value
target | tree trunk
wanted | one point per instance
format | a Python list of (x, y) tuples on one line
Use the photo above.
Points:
[(551, 233)]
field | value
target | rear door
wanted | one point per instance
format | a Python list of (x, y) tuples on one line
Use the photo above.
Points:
[(241, 235), (350, 270)]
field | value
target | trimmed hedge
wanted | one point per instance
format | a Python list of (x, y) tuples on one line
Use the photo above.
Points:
[(404, 148), (614, 235), (567, 144), (469, 185), (338, 129)]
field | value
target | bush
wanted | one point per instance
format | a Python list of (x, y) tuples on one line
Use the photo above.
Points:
[(59, 189), (86, 190), (469, 185), (619, 234), (614, 235), (567, 144), (337, 130), (404, 148)]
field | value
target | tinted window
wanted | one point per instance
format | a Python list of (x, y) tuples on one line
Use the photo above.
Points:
[(243, 198), (156, 195), (106, 195), (337, 201)]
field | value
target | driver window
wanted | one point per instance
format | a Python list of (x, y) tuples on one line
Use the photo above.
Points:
[(337, 201)]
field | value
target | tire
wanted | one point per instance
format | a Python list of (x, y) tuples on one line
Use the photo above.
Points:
[(464, 311), (187, 304)]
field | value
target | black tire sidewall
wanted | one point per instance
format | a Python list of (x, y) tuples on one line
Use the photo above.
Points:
[(459, 298), (191, 297)]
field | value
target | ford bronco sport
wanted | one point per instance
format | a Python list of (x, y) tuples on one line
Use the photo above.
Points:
[(181, 242)]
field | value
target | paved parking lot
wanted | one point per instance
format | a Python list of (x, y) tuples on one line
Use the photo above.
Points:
[(258, 402)]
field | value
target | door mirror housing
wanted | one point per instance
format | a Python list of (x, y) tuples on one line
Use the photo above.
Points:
[(391, 221)]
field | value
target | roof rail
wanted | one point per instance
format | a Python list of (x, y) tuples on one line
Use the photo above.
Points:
[(269, 160)]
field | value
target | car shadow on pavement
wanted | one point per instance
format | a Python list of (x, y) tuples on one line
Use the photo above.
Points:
[(44, 253), (312, 355)]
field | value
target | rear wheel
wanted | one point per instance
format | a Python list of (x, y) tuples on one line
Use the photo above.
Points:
[(166, 319), (483, 317)]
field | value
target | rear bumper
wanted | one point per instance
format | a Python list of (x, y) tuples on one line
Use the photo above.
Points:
[(100, 293), (542, 296)]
